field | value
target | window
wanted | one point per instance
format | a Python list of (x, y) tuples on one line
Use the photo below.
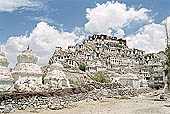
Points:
[(69, 62)]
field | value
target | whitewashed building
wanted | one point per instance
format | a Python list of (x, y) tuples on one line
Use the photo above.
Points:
[(130, 79)]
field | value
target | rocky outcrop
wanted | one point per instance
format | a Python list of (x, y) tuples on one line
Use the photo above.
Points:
[(6, 80)]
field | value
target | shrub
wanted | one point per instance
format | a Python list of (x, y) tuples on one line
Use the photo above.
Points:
[(101, 77), (82, 67), (73, 82)]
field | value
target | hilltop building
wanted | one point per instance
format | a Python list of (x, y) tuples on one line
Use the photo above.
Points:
[(106, 53)]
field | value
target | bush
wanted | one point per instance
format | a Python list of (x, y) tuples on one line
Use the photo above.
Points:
[(73, 82), (101, 77), (82, 67)]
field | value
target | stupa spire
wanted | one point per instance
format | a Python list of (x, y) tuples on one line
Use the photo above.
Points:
[(28, 48)]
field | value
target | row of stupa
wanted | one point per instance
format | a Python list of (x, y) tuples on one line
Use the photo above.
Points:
[(28, 76)]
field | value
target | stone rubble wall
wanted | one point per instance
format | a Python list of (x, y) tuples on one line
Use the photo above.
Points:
[(75, 75), (60, 99)]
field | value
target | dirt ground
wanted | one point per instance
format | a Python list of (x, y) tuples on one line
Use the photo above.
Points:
[(139, 105)]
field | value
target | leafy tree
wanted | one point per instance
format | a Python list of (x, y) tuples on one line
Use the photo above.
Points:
[(101, 77), (82, 67)]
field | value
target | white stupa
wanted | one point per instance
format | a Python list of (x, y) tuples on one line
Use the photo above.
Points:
[(27, 74), (55, 77), (6, 80)]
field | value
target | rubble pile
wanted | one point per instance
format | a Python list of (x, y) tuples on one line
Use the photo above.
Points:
[(62, 98), (144, 90)]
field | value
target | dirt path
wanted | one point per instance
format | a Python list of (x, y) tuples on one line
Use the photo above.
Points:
[(141, 105)]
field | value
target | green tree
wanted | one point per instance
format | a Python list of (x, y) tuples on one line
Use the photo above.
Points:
[(101, 77), (82, 67)]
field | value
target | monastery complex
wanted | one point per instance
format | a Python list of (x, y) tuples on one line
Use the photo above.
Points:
[(123, 64), (130, 67)]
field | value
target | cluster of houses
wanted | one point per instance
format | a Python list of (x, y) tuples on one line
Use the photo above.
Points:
[(129, 66)]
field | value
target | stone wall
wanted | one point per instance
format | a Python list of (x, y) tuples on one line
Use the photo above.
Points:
[(75, 75), (60, 99)]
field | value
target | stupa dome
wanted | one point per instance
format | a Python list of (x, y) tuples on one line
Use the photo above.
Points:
[(27, 69), (27, 56)]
